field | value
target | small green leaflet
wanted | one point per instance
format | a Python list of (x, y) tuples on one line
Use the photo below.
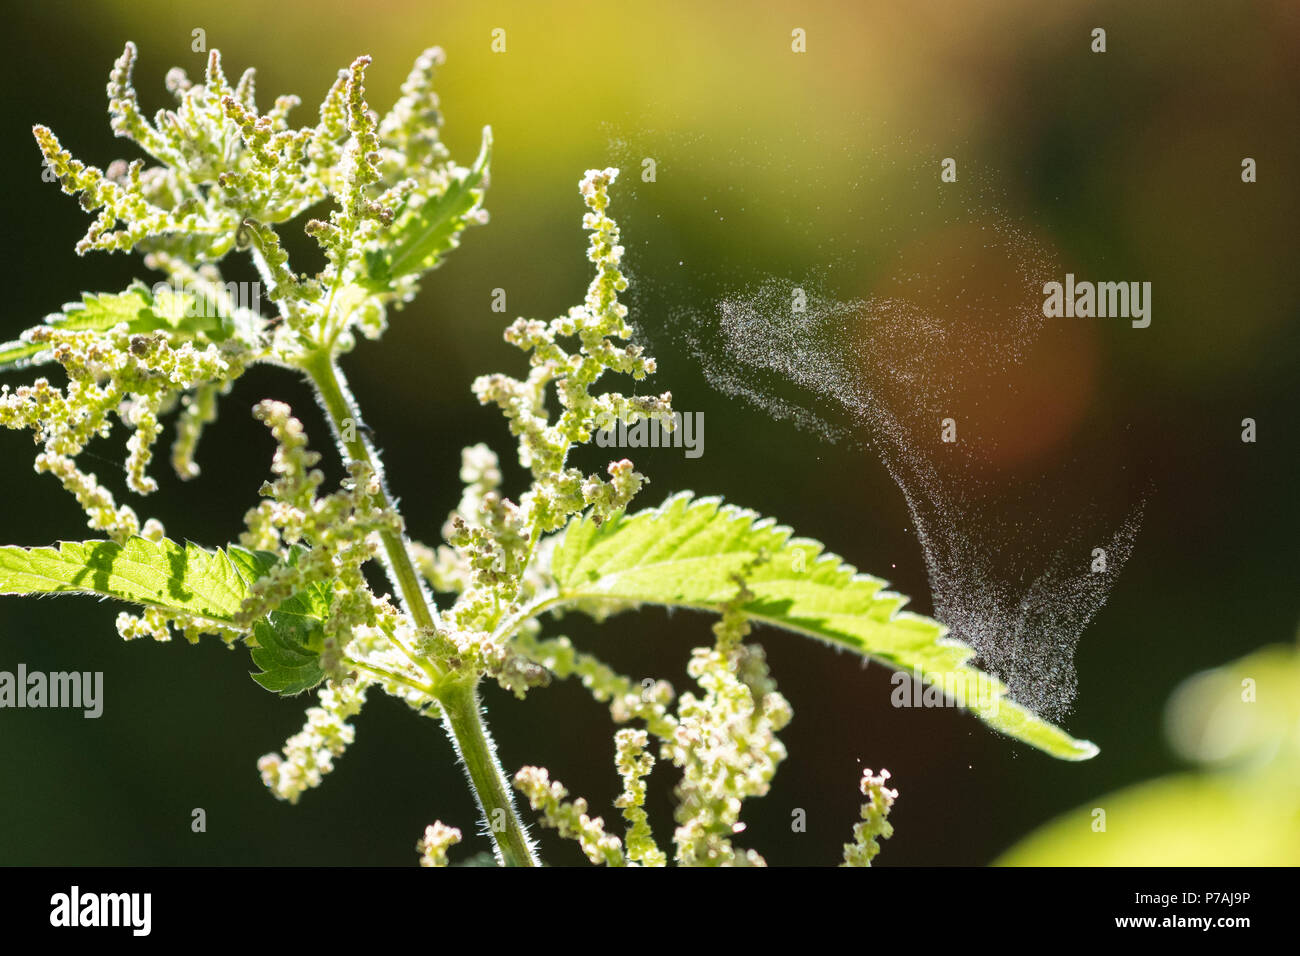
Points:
[(421, 236), (98, 312), (185, 579), (290, 638), (684, 553)]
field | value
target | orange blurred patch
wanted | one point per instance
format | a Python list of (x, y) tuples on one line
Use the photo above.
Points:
[(969, 341)]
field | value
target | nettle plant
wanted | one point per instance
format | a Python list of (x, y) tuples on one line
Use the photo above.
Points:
[(293, 590)]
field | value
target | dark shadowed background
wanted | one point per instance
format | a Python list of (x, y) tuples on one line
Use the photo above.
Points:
[(769, 164)]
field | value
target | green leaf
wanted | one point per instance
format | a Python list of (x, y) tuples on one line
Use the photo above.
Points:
[(162, 574), (1240, 723), (102, 311), (423, 235), (18, 354), (137, 307), (183, 579), (94, 313), (1185, 819), (685, 553)]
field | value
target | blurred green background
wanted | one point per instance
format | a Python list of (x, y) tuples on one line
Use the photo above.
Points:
[(1125, 165)]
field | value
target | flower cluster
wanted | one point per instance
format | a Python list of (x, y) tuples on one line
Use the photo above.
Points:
[(634, 764), (725, 745), (874, 826), (724, 742), (309, 754), (569, 818), (599, 324), (227, 173), (627, 699), (113, 373), (438, 839), (494, 557)]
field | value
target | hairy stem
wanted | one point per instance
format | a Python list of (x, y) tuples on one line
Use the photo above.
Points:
[(351, 434), (462, 717), (458, 699)]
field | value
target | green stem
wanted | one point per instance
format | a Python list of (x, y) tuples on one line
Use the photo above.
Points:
[(461, 714), (459, 700), (350, 432)]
